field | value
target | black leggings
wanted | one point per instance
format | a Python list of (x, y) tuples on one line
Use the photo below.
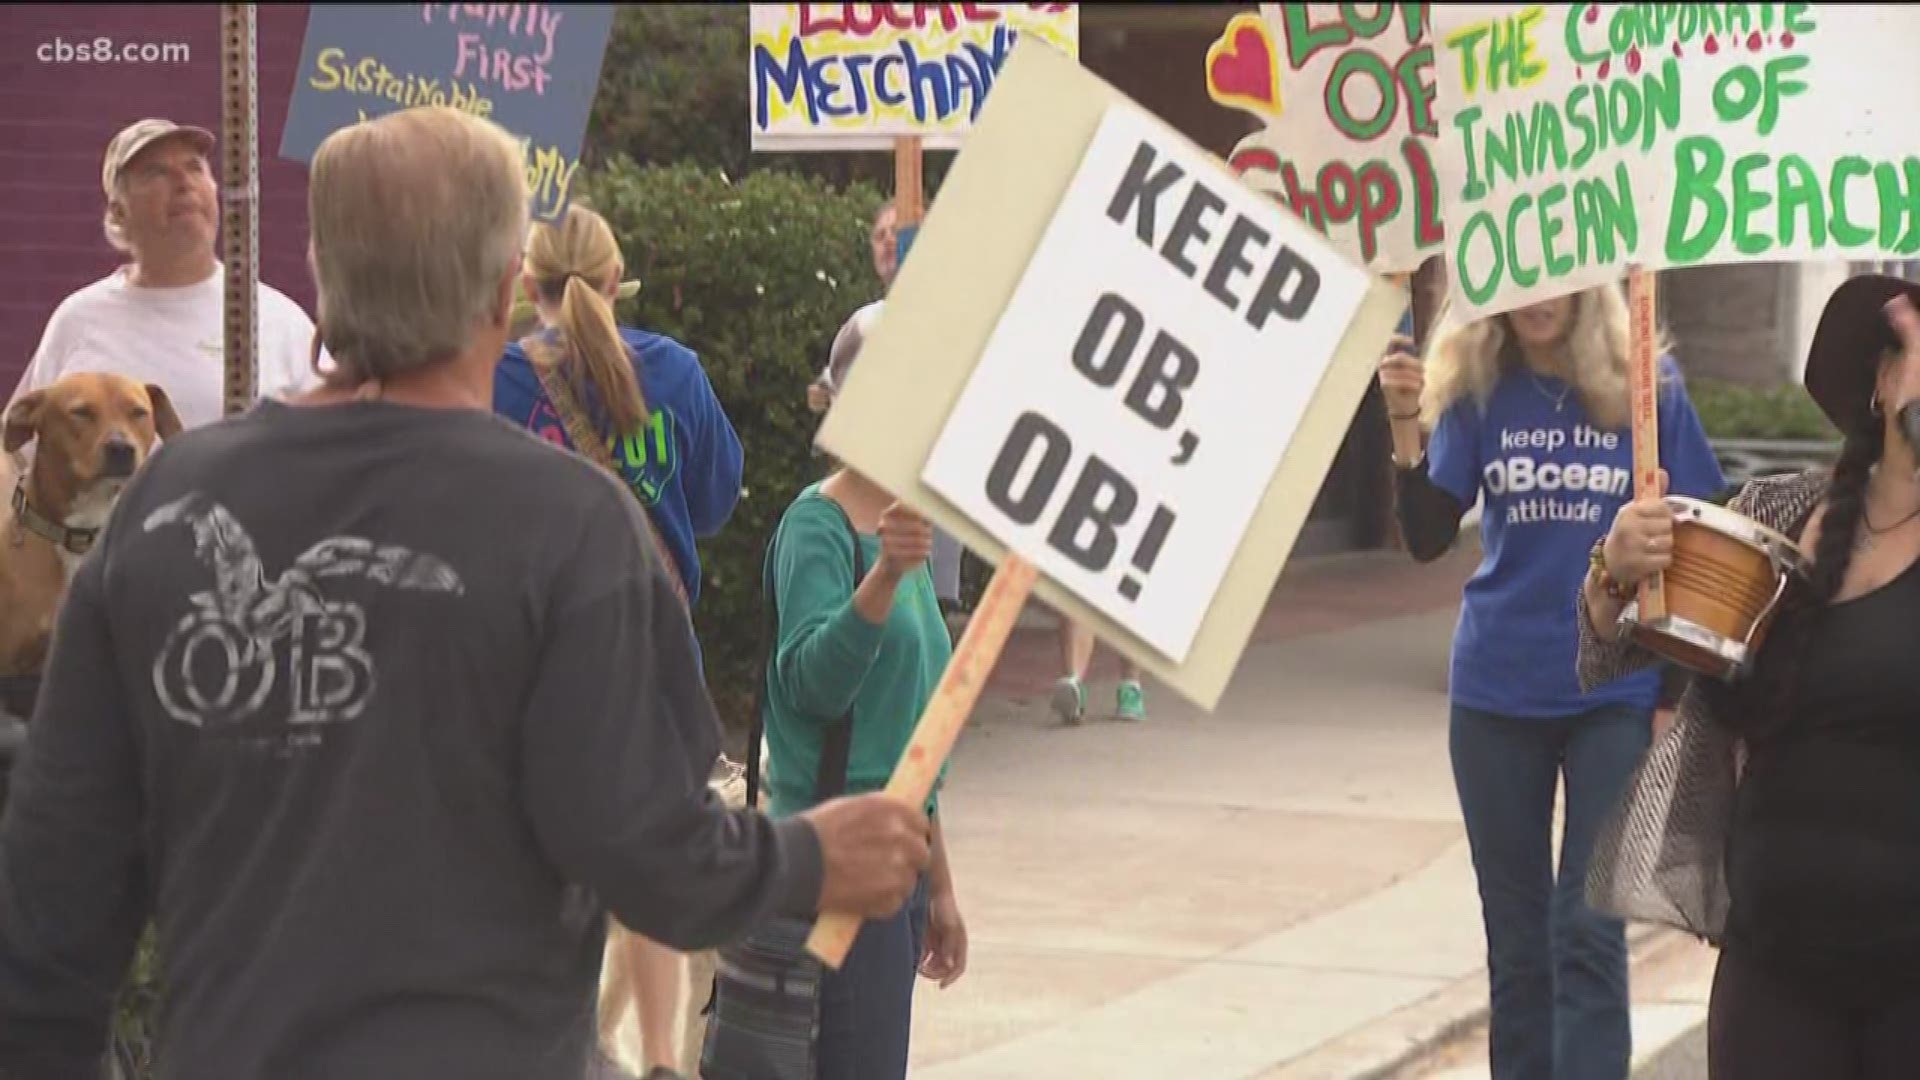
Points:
[(1762, 1027)]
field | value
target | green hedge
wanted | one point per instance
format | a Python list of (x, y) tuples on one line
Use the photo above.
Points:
[(755, 276), (1736, 411)]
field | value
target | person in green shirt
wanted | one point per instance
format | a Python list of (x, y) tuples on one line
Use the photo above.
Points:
[(871, 647)]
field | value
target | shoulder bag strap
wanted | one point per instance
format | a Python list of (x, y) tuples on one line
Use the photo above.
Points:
[(545, 361), (831, 780)]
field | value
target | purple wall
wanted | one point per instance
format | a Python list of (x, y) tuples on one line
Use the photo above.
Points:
[(55, 120)]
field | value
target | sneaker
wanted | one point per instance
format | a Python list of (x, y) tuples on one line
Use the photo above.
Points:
[(1130, 702), (1069, 701)]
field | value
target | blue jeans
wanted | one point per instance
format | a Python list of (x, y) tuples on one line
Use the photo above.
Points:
[(1557, 970), (866, 1008)]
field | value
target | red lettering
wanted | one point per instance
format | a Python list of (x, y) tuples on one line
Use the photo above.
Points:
[(1244, 161), (898, 19), (1304, 203), (812, 23), (1341, 204), (1379, 202), (862, 27), (979, 13), (1427, 230)]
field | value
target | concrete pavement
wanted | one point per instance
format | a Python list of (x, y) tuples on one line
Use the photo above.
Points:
[(1278, 890)]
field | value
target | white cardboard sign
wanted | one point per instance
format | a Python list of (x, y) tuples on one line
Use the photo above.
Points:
[(1139, 389)]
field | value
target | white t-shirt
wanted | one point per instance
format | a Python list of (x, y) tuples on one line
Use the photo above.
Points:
[(172, 337)]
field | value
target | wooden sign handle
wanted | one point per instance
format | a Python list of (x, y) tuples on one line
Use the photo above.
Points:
[(939, 726), (909, 192), (1643, 376)]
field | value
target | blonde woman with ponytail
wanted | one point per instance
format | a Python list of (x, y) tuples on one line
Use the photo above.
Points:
[(644, 409), (1528, 415)]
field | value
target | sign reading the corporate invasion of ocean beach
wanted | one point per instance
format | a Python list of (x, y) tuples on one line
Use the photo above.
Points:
[(531, 68), (1576, 139), (1145, 378), (1345, 96), (858, 76)]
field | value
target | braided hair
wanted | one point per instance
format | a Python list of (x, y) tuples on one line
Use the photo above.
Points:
[(1762, 703)]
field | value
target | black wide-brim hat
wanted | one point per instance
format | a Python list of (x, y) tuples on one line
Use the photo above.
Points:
[(1853, 335)]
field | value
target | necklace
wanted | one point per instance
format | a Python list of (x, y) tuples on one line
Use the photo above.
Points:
[(1867, 520), (1559, 401)]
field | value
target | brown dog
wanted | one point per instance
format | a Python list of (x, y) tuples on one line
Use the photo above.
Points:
[(92, 431)]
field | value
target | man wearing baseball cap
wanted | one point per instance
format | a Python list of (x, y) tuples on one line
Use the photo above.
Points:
[(158, 319)]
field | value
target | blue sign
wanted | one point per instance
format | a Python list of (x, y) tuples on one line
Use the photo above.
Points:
[(531, 68)]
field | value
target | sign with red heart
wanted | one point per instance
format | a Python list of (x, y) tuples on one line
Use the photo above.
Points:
[(1354, 154), (1241, 68)]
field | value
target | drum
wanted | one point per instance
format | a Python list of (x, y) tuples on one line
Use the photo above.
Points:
[(1723, 587)]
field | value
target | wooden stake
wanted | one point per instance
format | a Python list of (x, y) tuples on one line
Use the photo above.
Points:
[(239, 202), (939, 726), (909, 191), (1644, 376)]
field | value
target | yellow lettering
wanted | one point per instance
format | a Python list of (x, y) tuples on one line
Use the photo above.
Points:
[(323, 68)]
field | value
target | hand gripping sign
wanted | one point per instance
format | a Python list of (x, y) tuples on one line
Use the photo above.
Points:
[(1129, 402)]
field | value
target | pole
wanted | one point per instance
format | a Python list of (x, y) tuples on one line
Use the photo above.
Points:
[(239, 201), (1642, 305)]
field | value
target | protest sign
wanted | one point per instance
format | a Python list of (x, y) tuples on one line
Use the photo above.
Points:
[(1345, 96), (531, 68), (1578, 139), (1257, 340), (857, 76), (1145, 379)]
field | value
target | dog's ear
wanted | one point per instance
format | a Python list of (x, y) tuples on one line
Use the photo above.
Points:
[(23, 420), (166, 422)]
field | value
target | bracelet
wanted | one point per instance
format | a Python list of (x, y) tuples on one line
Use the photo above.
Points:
[(1597, 564)]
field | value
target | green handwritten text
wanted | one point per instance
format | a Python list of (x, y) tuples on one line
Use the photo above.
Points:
[(1713, 203), (1491, 249), (1623, 112)]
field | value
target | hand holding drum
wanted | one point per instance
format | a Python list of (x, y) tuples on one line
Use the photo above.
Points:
[(1640, 544)]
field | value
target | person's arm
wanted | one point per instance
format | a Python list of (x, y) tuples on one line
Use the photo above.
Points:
[(1433, 493), (940, 873), (617, 742), (830, 628), (714, 490), (73, 882)]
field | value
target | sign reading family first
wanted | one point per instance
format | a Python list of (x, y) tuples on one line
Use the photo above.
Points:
[(1145, 378)]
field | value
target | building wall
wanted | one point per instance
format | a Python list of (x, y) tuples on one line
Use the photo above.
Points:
[(56, 119), (1737, 323)]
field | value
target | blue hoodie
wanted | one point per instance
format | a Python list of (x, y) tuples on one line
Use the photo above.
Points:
[(684, 464)]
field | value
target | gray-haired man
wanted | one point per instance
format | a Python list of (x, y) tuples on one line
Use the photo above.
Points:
[(378, 705)]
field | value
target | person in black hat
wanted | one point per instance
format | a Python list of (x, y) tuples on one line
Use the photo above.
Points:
[(1819, 973)]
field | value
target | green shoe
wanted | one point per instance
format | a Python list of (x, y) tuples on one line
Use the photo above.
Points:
[(1130, 702), (1069, 701)]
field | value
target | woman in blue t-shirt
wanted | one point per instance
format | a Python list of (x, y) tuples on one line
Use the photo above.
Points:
[(1529, 416), (670, 441)]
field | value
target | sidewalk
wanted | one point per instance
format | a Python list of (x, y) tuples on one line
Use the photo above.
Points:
[(1312, 597), (1278, 890)]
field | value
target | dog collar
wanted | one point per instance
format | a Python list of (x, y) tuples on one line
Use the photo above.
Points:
[(77, 541)]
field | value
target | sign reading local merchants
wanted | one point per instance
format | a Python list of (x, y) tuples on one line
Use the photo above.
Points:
[(531, 68), (1344, 96), (1576, 139), (1145, 378), (858, 76)]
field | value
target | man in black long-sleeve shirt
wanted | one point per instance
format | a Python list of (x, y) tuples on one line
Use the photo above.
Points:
[(379, 705)]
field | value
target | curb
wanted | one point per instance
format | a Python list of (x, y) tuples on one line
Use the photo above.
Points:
[(1388, 1047)]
